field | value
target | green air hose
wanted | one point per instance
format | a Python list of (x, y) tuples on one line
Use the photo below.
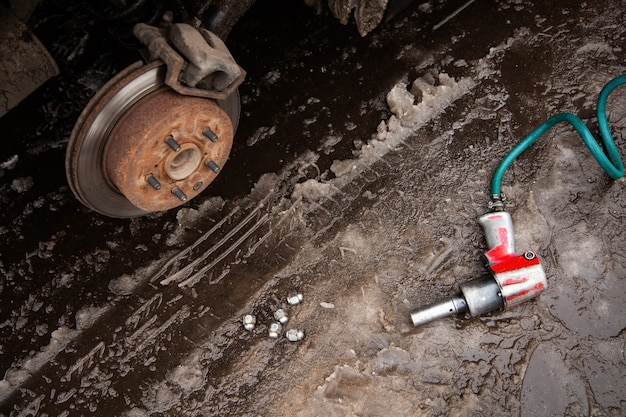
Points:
[(612, 164)]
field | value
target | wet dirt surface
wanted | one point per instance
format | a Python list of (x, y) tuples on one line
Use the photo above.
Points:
[(367, 220)]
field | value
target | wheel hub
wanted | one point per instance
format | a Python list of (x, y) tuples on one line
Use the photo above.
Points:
[(140, 147), (162, 138)]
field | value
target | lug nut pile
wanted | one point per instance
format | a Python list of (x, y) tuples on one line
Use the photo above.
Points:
[(281, 319)]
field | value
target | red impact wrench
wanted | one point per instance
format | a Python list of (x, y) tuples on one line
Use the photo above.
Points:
[(514, 278), (517, 278)]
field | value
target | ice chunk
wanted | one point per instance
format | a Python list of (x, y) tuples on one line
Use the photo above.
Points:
[(400, 100), (87, 316), (311, 190), (345, 382), (261, 133), (136, 412), (341, 168), (596, 50), (22, 185), (408, 117), (188, 377), (10, 163), (392, 360), (123, 285)]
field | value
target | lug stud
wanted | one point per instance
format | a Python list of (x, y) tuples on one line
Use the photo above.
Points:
[(211, 135), (179, 193), (213, 166), (154, 183), (171, 142)]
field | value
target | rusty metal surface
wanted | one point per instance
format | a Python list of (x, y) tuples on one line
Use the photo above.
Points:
[(85, 165), (207, 56), (83, 162), (205, 68), (136, 148)]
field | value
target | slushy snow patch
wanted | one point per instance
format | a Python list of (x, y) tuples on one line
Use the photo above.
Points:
[(87, 316), (18, 374), (407, 118), (312, 190)]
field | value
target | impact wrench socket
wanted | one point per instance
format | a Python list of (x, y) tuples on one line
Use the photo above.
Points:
[(514, 278)]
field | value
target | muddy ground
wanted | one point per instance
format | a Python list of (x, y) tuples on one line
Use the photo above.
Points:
[(366, 206)]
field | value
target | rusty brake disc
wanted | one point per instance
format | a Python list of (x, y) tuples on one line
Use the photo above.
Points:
[(139, 147)]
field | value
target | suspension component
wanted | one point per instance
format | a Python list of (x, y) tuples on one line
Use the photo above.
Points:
[(514, 278), (198, 62)]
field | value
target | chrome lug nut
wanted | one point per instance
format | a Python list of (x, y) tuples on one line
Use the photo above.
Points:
[(294, 335), (249, 322), (171, 142), (295, 298), (275, 329), (154, 183), (281, 316)]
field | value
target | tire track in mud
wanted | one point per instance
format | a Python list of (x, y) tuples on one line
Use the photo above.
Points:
[(255, 357), (225, 391), (113, 365), (133, 332)]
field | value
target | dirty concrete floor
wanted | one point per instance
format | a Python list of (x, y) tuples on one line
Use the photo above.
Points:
[(142, 317)]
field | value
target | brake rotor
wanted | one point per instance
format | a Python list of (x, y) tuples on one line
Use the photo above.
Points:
[(139, 147)]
